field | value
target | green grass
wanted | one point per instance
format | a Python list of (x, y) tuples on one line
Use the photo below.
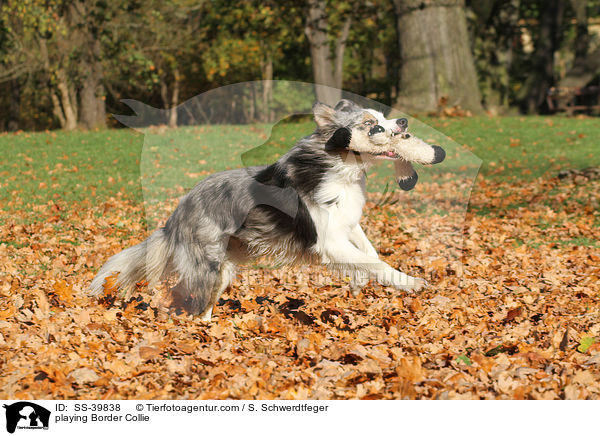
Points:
[(579, 242), (68, 166), (36, 168), (525, 147), (573, 242)]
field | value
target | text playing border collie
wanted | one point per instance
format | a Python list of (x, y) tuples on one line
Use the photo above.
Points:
[(304, 208)]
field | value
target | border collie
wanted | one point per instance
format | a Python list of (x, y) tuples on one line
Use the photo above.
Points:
[(304, 208)]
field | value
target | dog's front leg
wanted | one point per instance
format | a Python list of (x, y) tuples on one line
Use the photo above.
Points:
[(360, 279), (360, 240), (342, 255)]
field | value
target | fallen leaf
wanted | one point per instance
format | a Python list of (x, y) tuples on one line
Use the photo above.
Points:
[(63, 291), (513, 313), (464, 359), (585, 343), (148, 353), (84, 375)]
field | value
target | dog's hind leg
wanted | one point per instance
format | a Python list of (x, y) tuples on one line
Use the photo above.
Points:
[(192, 294), (199, 267), (225, 276)]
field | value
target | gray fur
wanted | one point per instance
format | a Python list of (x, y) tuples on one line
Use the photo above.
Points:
[(145, 260)]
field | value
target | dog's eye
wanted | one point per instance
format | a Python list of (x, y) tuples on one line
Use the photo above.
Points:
[(369, 123)]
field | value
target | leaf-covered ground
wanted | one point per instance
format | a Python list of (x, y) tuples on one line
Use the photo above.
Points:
[(515, 316)]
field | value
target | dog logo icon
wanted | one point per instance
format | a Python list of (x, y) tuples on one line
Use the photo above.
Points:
[(26, 415)]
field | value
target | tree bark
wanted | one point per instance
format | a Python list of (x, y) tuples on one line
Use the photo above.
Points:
[(93, 106), (92, 111), (14, 106), (164, 95), (585, 65), (93, 102), (172, 102), (101, 106), (583, 71), (327, 63), (436, 59), (57, 109), (88, 113), (67, 101), (340, 48), (267, 87), (582, 37), (547, 43)]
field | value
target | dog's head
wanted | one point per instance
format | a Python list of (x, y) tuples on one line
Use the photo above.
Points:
[(348, 128)]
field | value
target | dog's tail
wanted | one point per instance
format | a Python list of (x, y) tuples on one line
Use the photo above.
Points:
[(149, 260)]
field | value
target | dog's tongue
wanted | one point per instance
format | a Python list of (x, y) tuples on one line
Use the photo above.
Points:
[(390, 154)]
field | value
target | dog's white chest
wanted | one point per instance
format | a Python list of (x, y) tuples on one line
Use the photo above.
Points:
[(338, 207), (347, 209)]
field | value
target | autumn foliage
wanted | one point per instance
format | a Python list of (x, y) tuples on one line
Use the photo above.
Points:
[(515, 317)]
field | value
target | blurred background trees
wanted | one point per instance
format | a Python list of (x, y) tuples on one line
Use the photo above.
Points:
[(67, 64)]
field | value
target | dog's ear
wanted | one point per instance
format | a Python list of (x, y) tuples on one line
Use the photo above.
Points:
[(406, 176), (346, 106), (324, 115), (339, 140)]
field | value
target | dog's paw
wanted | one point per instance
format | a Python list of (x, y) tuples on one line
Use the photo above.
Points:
[(355, 290), (411, 285), (357, 283)]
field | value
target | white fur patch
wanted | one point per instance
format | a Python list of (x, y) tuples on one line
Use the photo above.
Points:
[(337, 205), (388, 125)]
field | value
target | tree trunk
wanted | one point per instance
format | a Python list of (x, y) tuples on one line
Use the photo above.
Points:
[(93, 103), (164, 95), (327, 63), (93, 106), (436, 59), (100, 106), (67, 101), (547, 43), (585, 65), (170, 103), (14, 106), (88, 113), (582, 37), (340, 48), (267, 87), (57, 107), (174, 99), (583, 71)]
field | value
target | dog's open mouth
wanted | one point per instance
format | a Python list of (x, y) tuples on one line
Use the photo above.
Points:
[(386, 155)]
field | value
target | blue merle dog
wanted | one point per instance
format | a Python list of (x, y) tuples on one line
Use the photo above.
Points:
[(304, 208)]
